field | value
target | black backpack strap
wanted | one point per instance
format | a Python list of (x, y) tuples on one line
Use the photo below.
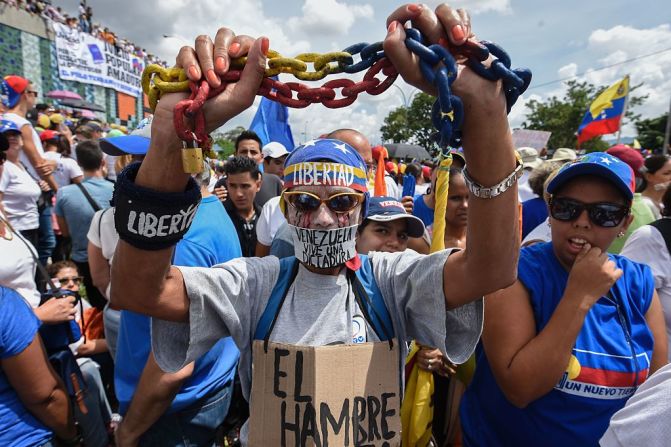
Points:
[(93, 203), (664, 226)]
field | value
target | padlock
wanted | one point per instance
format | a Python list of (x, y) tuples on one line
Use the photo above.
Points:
[(192, 159)]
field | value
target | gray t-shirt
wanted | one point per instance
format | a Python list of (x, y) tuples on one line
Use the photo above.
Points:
[(228, 300), (643, 420)]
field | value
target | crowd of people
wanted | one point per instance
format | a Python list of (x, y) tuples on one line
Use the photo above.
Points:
[(83, 22), (140, 305)]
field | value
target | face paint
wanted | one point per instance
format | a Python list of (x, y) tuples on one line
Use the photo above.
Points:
[(324, 248)]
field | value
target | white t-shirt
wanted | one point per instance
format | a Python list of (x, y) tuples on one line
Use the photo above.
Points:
[(270, 220), (644, 419), (19, 197), (646, 245), (66, 168), (103, 235), (20, 122), (17, 267)]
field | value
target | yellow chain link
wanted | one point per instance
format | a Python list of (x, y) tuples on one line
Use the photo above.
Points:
[(157, 80)]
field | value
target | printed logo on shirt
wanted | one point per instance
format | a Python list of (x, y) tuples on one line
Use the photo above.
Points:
[(603, 376), (358, 329)]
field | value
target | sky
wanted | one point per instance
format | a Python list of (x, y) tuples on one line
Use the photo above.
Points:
[(594, 39)]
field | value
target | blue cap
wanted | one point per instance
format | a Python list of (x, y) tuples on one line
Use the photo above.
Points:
[(137, 143), (601, 165), (8, 126), (387, 209)]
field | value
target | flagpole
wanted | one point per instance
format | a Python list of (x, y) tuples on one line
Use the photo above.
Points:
[(624, 112)]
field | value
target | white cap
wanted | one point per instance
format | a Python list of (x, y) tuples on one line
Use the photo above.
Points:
[(274, 150), (529, 157)]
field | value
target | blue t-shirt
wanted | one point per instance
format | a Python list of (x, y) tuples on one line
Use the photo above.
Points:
[(211, 240), (419, 209), (71, 203), (603, 372), (534, 213), (18, 326)]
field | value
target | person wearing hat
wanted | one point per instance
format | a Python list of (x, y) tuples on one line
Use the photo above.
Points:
[(274, 154), (18, 190), (580, 329), (640, 209), (531, 160), (309, 300), (19, 96), (564, 154), (387, 227)]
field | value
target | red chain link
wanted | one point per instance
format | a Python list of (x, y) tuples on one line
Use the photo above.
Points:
[(191, 109)]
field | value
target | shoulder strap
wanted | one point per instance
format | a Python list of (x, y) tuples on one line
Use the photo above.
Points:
[(371, 300), (664, 227), (286, 276), (93, 203), (100, 222)]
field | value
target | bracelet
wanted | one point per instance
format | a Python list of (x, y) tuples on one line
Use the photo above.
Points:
[(484, 192), (149, 219)]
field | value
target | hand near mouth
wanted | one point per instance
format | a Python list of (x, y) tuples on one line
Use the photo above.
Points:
[(592, 275)]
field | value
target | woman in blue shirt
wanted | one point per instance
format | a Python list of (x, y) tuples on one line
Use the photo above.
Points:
[(33, 402), (569, 342)]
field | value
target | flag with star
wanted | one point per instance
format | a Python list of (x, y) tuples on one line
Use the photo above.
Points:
[(605, 113)]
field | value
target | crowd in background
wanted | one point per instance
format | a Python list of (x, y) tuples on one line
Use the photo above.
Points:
[(82, 21)]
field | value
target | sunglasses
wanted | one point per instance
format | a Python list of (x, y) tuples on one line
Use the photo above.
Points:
[(339, 203), (603, 214), (76, 280)]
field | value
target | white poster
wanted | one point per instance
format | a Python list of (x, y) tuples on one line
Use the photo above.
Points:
[(83, 58)]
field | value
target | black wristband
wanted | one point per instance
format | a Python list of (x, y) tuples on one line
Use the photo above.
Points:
[(149, 219)]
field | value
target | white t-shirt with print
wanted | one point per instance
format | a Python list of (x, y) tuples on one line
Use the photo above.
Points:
[(19, 197), (66, 168)]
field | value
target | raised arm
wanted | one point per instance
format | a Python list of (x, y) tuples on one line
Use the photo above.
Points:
[(489, 261), (158, 289)]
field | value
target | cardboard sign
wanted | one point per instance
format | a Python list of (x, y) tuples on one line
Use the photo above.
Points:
[(342, 395), (538, 139)]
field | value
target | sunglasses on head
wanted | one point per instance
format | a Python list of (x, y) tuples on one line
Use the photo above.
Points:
[(339, 203), (603, 214)]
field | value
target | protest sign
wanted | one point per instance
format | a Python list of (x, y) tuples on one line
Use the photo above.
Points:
[(338, 395), (81, 57), (538, 139), (324, 248)]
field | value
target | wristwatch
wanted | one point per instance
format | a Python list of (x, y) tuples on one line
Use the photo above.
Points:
[(490, 192)]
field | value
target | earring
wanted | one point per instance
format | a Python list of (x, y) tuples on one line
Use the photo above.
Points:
[(620, 234), (549, 223)]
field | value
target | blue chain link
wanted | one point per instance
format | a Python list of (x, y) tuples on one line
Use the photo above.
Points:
[(439, 68)]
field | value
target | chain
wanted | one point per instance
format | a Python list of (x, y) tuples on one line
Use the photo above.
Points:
[(437, 65)]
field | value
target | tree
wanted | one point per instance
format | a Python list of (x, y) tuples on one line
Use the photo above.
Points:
[(226, 141), (651, 131), (563, 116), (411, 124)]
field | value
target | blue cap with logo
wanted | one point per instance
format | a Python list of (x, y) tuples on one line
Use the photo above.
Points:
[(601, 165), (387, 209), (137, 143)]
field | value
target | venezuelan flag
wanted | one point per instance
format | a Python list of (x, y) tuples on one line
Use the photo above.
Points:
[(605, 113)]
